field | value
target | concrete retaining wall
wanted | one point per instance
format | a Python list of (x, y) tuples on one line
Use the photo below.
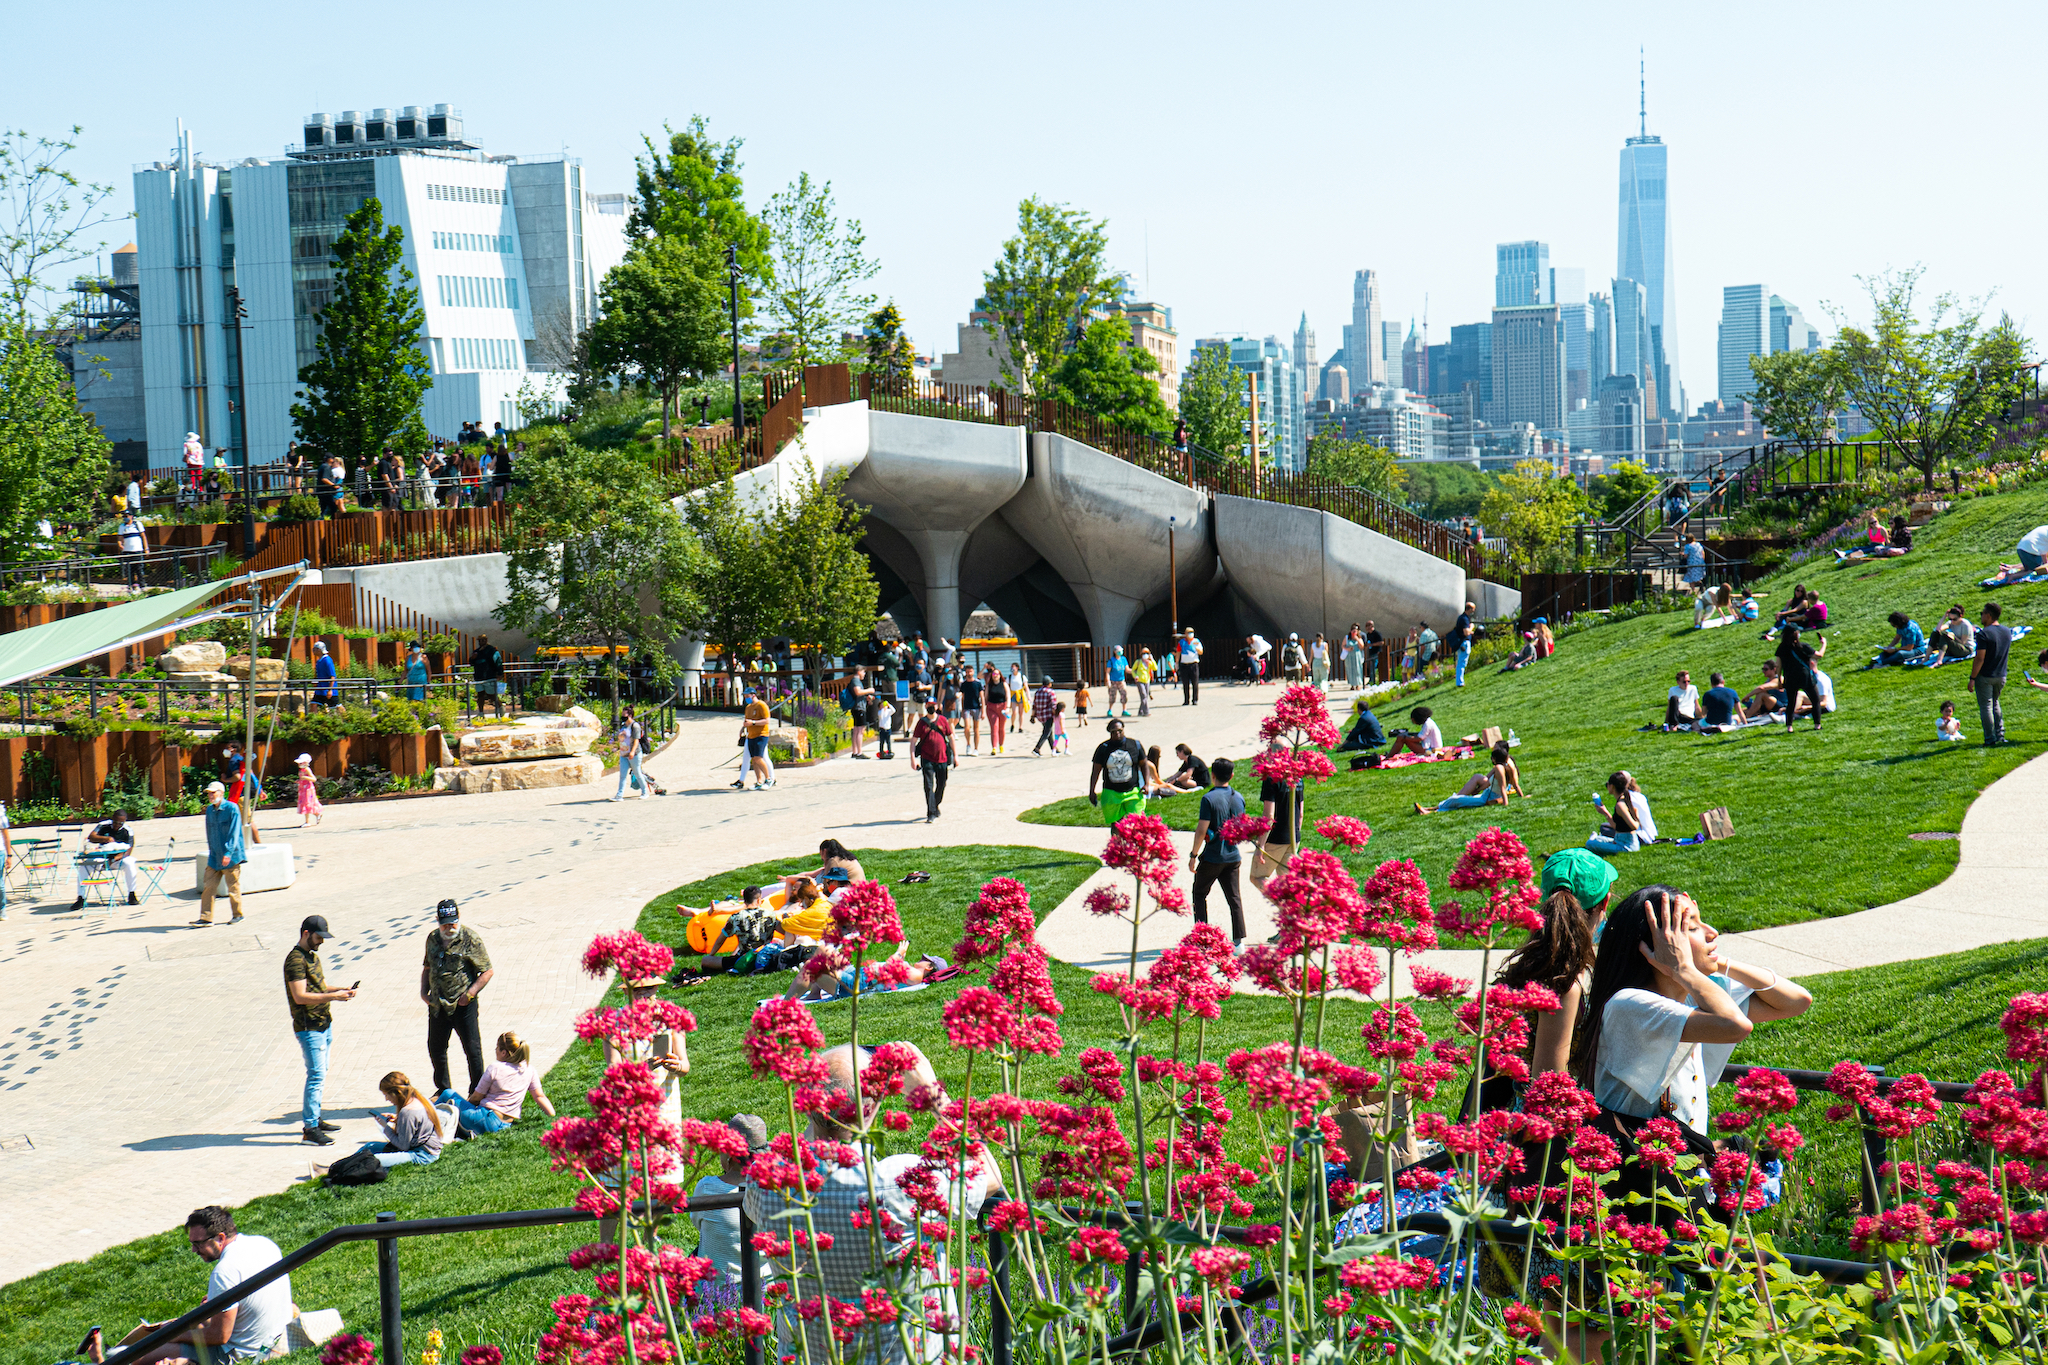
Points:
[(460, 592), (1310, 571)]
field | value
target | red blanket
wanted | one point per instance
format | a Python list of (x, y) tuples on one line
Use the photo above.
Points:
[(1441, 756)]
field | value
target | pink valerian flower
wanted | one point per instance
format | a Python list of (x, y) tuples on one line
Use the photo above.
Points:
[(1495, 856), (865, 915), (1394, 1033), (1358, 970), (1280, 973), (1002, 913), (1397, 906), (1196, 972), (1896, 1110), (1219, 1266), (1024, 978), (1594, 1151), (348, 1349), (1431, 984), (1267, 1075), (1907, 1226), (1497, 863), (1507, 1011), (1555, 1097), (1317, 903), (1344, 831), (1764, 1091), (1107, 900), (1142, 846), (483, 1355), (1291, 767), (634, 1023), (1246, 829), (1659, 1145), (782, 1040), (2025, 1025), (630, 955), (1737, 1183), (1301, 715), (979, 1020), (1385, 1276)]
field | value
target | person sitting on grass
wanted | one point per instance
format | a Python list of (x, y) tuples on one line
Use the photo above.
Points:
[(1720, 704), (1486, 788), (1428, 741), (500, 1097), (412, 1130), (1366, 734), (1681, 703), (1630, 825), (1748, 609), (2041, 662), (1876, 543), (253, 1329), (1826, 686), (1191, 776), (1949, 730), (1524, 656), (2032, 550), (1794, 604), (1956, 636), (835, 855), (1155, 785), (1767, 697), (1908, 641)]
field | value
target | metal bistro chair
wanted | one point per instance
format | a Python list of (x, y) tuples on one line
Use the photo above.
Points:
[(151, 872), (37, 860), (97, 878)]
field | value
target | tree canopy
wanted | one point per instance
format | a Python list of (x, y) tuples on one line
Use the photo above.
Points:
[(362, 390), (1110, 377), (1532, 507), (1797, 395), (1625, 483), (1048, 280), (53, 459), (662, 317), (885, 351), (1213, 404), (693, 191), (1354, 462), (820, 263)]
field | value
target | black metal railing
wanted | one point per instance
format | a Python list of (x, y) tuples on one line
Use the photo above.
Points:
[(165, 567)]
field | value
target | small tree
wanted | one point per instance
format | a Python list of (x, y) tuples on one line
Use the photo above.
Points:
[(1938, 392), (53, 459), (1797, 395), (1213, 403), (663, 318), (828, 590), (599, 555), (1355, 463), (364, 385), (1041, 290), (1625, 483), (46, 216), (886, 352), (1532, 508), (1108, 376), (739, 588), (820, 263)]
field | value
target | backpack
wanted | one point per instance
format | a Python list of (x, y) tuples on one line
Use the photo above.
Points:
[(932, 746), (1119, 769), (357, 1168)]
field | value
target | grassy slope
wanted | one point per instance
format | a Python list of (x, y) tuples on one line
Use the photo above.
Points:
[(1821, 820), (497, 1287)]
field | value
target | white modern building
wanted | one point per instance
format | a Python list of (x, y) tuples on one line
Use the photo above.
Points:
[(506, 252)]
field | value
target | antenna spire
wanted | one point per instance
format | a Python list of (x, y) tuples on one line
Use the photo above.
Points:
[(1642, 94)]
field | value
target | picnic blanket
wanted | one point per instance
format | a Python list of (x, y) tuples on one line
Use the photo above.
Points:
[(1716, 622), (1410, 760), (2001, 581), (872, 990)]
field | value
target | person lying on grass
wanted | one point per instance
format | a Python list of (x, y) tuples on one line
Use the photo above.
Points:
[(839, 985), (1489, 787), (1428, 741)]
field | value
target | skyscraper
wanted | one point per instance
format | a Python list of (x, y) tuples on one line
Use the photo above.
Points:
[(1631, 329), (1362, 342), (1745, 331), (1568, 292), (1414, 362), (1643, 253), (1283, 407), (1789, 328), (1600, 339), (1521, 274), (1390, 353), (1528, 367), (1305, 360), (1464, 363)]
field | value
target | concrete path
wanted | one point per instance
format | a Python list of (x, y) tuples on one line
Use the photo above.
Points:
[(146, 1068)]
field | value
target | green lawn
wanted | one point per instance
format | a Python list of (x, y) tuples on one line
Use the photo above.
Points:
[(1821, 820)]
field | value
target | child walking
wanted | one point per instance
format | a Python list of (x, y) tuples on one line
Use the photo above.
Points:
[(310, 812), (1080, 706), (885, 720), (1059, 728)]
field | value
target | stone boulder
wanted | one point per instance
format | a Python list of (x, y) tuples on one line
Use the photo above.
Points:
[(267, 670), (526, 742), (549, 702), (519, 776), (201, 656)]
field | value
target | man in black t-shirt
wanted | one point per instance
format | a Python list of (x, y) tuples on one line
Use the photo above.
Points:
[(1374, 644), (1987, 673), (110, 845), (1120, 769), (1282, 805), (971, 690), (1214, 859)]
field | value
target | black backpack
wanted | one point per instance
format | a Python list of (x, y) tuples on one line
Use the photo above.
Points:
[(357, 1168)]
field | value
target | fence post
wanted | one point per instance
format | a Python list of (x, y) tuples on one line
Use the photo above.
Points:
[(387, 1294), (750, 1273), (163, 701), (999, 1298)]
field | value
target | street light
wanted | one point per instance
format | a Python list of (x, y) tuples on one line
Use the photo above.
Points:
[(237, 311), (732, 277), (1172, 577)]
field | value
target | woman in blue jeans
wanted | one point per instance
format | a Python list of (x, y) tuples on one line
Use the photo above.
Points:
[(412, 1129), (496, 1102), (1628, 821), (1484, 789)]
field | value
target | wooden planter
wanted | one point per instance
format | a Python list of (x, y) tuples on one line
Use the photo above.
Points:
[(337, 649), (390, 654), (193, 537), (439, 665), (81, 769)]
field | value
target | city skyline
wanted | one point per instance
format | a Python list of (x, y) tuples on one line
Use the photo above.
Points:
[(1228, 262)]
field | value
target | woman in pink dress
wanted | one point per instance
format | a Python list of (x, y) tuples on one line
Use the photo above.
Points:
[(309, 796)]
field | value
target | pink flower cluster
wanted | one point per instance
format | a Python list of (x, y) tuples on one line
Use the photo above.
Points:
[(865, 915), (1397, 907), (631, 956), (348, 1349), (1301, 716), (1246, 829), (1496, 863), (1000, 914), (1344, 831), (1316, 903), (782, 1041), (1895, 1111)]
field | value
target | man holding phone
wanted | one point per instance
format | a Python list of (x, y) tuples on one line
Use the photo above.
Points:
[(305, 988)]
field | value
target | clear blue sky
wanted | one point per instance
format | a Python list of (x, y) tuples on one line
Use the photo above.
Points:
[(1248, 159)]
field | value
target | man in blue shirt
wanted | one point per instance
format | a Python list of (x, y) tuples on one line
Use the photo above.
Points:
[(1720, 703), (1190, 668), (1462, 634), (325, 693), (1214, 858), (1119, 666), (225, 854)]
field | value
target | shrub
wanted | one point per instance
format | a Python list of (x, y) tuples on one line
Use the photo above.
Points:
[(439, 644), (402, 635), (395, 717), (297, 509)]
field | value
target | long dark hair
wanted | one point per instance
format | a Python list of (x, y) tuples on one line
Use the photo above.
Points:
[(1617, 967), (1559, 953), (832, 848)]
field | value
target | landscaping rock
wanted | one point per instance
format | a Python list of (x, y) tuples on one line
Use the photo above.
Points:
[(267, 670), (515, 777), (550, 703), (527, 742), (201, 656), (582, 717)]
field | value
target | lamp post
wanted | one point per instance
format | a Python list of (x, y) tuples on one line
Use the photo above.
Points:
[(732, 278), (1172, 577), (237, 311)]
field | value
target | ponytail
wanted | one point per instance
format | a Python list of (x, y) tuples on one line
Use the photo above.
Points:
[(1559, 953), (398, 1088), (509, 1043)]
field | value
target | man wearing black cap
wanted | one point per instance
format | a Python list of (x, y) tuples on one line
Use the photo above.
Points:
[(305, 989), (453, 974)]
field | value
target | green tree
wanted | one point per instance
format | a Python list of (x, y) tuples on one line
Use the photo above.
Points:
[(1940, 391), (1108, 376), (819, 265), (53, 459), (1625, 483), (1213, 403), (661, 318), (739, 586), (1532, 508), (1441, 491), (46, 216), (600, 556), (828, 589), (1044, 287), (694, 192), (1797, 395), (1355, 463), (363, 388), (886, 352)]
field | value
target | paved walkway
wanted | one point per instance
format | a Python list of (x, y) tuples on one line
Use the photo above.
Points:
[(146, 1068)]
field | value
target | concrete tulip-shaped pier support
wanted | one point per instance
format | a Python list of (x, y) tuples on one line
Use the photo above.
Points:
[(1308, 570)]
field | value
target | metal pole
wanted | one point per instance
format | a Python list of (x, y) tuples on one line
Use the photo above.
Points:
[(999, 1298), (732, 275), (387, 1294), (236, 312), (1172, 578), (750, 1281)]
